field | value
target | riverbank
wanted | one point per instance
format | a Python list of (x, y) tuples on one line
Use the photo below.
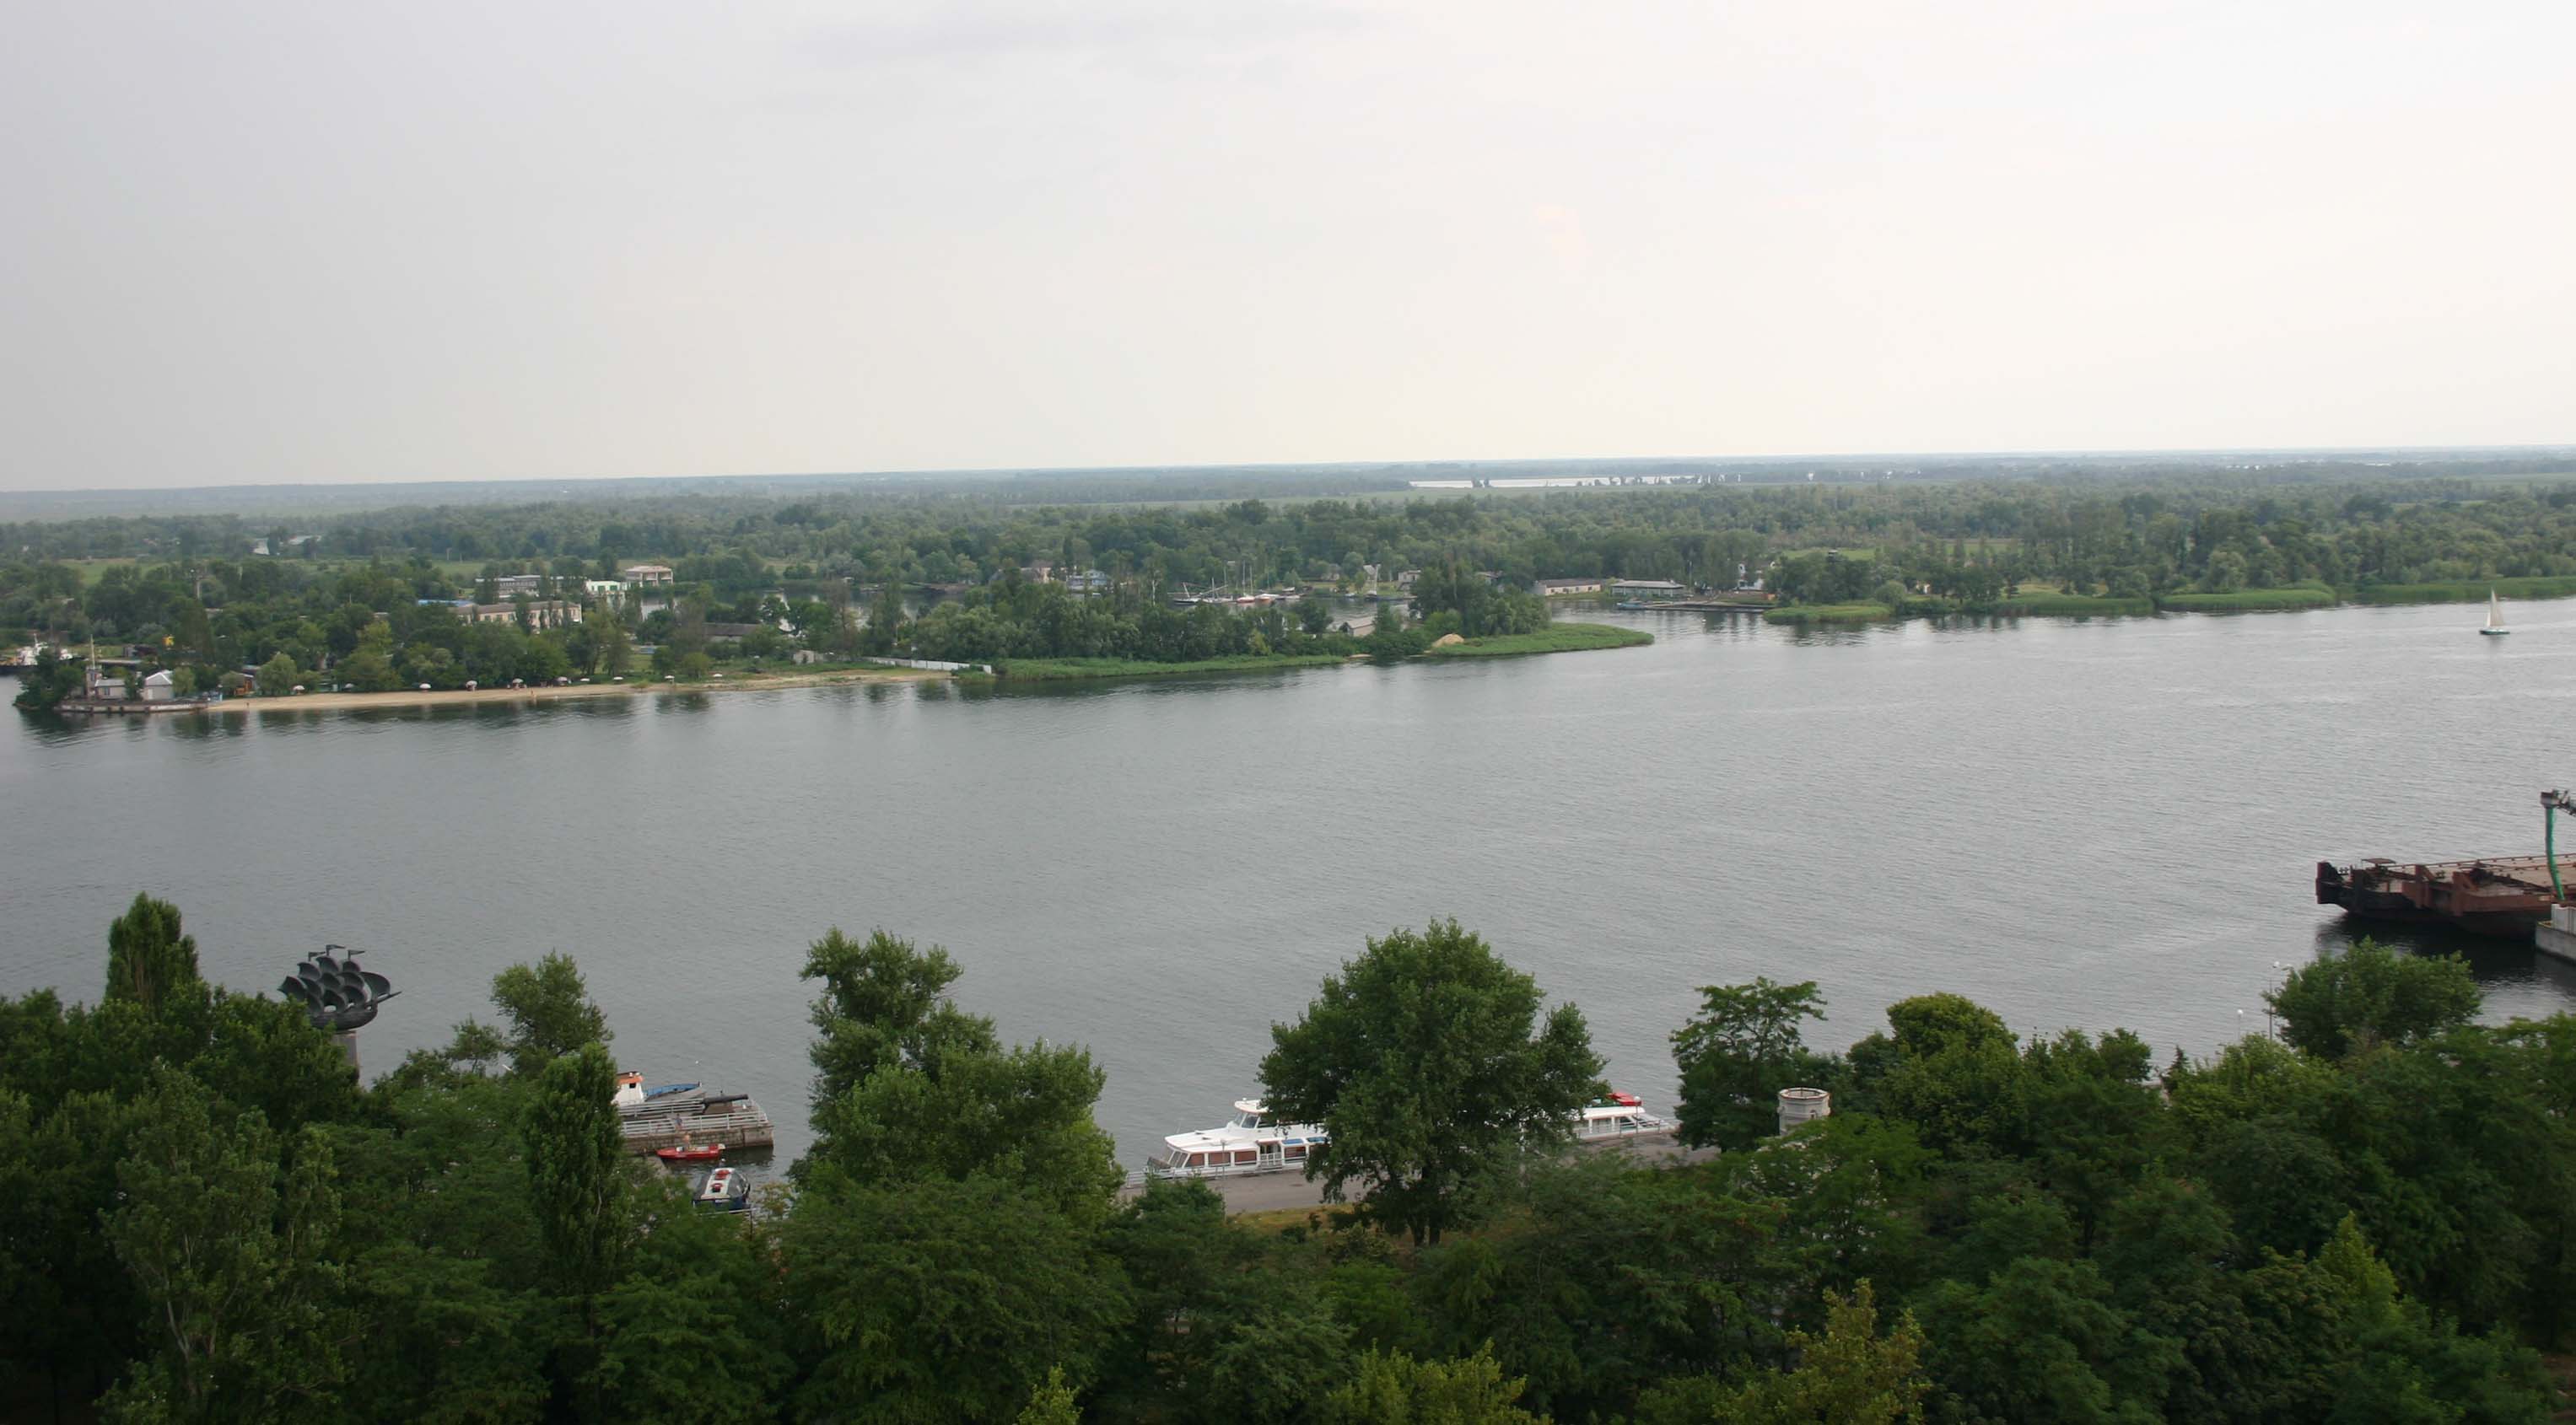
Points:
[(459, 697), (1555, 638), (1061, 670), (2307, 594), (2469, 591)]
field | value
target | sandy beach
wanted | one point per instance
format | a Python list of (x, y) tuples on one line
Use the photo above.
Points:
[(415, 698)]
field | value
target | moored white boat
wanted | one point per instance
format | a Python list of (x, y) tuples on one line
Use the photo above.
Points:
[(1249, 1142), (1252, 1142), (725, 1190), (1621, 1115)]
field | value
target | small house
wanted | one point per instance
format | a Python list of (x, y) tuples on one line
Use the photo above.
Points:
[(1552, 588)]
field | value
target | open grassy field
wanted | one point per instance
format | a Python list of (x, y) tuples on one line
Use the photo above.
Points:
[(1055, 670), (2468, 591), (1555, 638), (2306, 595), (90, 569)]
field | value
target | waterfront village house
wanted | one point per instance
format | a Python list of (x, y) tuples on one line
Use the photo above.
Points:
[(1648, 589), (1087, 581), (542, 613), (608, 590), (1549, 588), (1040, 571), (510, 586), (1404, 579), (105, 678), (157, 687), (646, 573)]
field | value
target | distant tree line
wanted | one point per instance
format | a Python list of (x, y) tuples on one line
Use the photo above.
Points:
[(2365, 1220), (2133, 533)]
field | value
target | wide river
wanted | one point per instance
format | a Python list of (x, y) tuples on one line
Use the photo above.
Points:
[(2086, 824)]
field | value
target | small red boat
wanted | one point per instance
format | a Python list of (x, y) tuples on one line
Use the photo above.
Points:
[(687, 1154)]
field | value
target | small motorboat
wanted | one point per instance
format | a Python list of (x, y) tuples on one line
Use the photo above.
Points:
[(690, 1153), (725, 1190)]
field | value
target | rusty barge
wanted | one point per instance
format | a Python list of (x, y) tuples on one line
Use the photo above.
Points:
[(2495, 895)]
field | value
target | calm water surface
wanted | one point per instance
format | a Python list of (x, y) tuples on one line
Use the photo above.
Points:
[(2088, 824)]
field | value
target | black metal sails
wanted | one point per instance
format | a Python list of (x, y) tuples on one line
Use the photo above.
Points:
[(335, 992)]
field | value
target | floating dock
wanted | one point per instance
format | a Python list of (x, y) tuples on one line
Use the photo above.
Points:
[(692, 1115), (2496, 895)]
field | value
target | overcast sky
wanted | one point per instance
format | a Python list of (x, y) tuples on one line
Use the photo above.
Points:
[(351, 242)]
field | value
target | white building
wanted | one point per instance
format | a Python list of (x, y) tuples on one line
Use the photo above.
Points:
[(542, 613)]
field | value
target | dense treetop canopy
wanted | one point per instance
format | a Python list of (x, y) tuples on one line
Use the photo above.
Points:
[(2365, 1219)]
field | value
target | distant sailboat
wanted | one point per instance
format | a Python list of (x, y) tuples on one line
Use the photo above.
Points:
[(2495, 616)]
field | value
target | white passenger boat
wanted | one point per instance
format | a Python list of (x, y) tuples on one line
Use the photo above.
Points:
[(1621, 1115), (1253, 1142), (1250, 1142)]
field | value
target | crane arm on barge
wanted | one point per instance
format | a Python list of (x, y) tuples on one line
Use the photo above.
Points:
[(2551, 804)]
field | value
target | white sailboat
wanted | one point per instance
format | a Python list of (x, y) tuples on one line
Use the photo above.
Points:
[(2495, 616)]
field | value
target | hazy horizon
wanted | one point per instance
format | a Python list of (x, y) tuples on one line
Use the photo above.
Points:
[(318, 245)]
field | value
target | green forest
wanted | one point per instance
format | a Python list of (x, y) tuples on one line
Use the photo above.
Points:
[(1974, 544), (2363, 1218), (365, 603)]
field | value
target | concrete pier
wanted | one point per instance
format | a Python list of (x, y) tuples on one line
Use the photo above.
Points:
[(2557, 935)]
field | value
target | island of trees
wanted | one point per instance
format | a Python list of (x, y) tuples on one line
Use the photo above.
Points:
[(368, 600), (2365, 1219)]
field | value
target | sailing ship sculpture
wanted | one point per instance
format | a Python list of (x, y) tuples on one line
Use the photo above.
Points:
[(337, 996)]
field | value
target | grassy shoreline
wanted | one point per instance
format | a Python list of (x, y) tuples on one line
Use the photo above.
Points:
[(1063, 670), (2056, 605), (1828, 613), (1555, 638), (2469, 591), (2306, 595)]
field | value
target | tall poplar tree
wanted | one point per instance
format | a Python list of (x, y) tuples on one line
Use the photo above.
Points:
[(149, 962)]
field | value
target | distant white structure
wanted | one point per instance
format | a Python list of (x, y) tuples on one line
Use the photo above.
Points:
[(1803, 1106), (542, 613)]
